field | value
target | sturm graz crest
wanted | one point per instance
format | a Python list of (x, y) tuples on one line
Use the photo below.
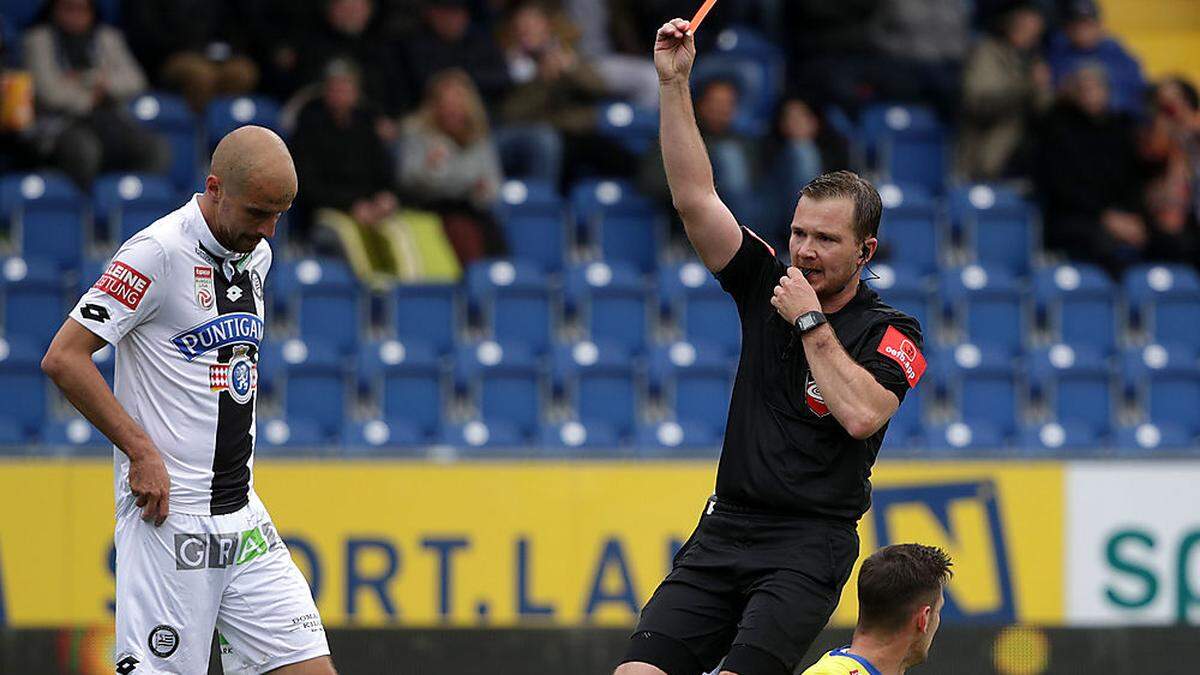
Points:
[(163, 641)]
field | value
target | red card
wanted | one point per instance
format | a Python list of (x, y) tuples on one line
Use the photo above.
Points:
[(904, 352)]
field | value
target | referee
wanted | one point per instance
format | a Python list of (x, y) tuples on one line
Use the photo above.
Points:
[(824, 365)]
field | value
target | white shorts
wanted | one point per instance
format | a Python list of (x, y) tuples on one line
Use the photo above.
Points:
[(176, 582)]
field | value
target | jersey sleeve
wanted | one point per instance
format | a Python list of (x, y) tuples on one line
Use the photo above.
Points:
[(126, 294), (893, 354), (745, 270)]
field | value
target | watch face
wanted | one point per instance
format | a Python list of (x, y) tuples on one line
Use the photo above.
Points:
[(806, 322)]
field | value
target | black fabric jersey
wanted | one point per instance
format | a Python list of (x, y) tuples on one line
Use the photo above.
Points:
[(784, 452)]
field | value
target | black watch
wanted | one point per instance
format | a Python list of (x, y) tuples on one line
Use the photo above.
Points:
[(809, 320)]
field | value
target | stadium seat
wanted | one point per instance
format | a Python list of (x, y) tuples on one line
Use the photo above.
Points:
[(33, 300), (909, 234), (981, 384), (998, 226), (22, 386), (986, 304), (905, 426), (47, 216), (78, 436), (502, 381), (673, 439), (170, 116), (126, 203), (635, 128), (599, 380), (383, 437), (327, 303), (623, 224), (1075, 384), (13, 438), (695, 381), (905, 289), (515, 301), (534, 219), (611, 300), (1149, 438), (406, 378), (1166, 299), (704, 311), (476, 434), (1165, 380), (225, 114), (1054, 439), (909, 143), (427, 313), (314, 386), (1078, 304), (957, 437), (755, 64), (277, 436), (573, 436)]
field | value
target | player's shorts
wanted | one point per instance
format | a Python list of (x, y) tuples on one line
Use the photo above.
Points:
[(178, 581), (753, 587)]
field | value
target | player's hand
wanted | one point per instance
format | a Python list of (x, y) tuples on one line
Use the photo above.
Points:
[(794, 296), (674, 51), (149, 482)]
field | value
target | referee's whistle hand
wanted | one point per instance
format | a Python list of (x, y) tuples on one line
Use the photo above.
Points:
[(794, 296), (148, 481)]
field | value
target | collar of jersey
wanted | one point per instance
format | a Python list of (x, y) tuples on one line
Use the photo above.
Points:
[(871, 670), (232, 262)]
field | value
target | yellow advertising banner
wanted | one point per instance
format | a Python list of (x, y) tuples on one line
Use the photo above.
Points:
[(391, 543)]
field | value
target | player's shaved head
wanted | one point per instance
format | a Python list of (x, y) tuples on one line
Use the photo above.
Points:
[(252, 153), (251, 182)]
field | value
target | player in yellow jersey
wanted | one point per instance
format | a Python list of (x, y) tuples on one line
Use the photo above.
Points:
[(900, 598)]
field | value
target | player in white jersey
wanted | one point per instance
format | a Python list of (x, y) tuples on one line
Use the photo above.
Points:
[(182, 301)]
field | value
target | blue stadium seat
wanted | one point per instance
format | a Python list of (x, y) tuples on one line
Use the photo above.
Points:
[(625, 225), (33, 300), (47, 216), (1078, 303), (277, 436), (502, 380), (1148, 438), (315, 387), (170, 116), (1056, 439), (22, 386), (981, 384), (909, 233), (427, 313), (600, 383), (695, 380), (126, 203), (904, 429), (476, 434), (909, 143), (755, 64), (515, 301), (327, 302), (78, 435), (1166, 299), (13, 438), (998, 227), (635, 128), (957, 437), (534, 219), (1165, 380), (382, 437), (1075, 383), (704, 311), (987, 305), (23, 13), (228, 113), (406, 378), (573, 436), (612, 301), (669, 439), (905, 289)]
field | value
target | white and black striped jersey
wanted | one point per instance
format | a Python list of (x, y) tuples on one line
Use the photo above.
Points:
[(186, 317)]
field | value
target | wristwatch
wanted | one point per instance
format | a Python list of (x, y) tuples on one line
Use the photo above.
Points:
[(809, 320)]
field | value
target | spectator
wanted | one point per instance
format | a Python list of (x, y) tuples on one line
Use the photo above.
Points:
[(1005, 86), (803, 146), (193, 46), (1090, 177), (923, 43), (1170, 144), (449, 42), (347, 173), (1084, 39), (447, 163), (83, 76), (628, 74), (347, 32)]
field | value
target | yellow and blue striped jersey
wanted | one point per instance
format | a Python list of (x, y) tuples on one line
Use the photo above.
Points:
[(841, 662)]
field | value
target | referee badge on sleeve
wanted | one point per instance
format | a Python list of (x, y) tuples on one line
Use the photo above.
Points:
[(897, 347)]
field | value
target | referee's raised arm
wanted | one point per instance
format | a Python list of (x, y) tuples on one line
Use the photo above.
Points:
[(710, 225)]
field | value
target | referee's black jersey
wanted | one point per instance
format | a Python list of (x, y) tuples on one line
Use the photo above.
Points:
[(784, 452)]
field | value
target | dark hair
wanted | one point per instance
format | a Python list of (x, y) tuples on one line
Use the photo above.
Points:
[(849, 185), (897, 579)]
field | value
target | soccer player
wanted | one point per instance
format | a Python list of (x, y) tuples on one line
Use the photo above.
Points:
[(900, 598), (182, 300), (824, 365)]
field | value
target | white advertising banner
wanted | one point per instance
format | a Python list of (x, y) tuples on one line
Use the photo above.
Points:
[(1133, 543)]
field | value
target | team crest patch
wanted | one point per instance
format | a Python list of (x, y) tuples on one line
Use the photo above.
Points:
[(206, 294), (239, 377), (256, 284), (127, 285), (812, 396), (897, 347), (163, 641)]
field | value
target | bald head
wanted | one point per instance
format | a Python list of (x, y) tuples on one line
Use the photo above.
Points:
[(251, 183)]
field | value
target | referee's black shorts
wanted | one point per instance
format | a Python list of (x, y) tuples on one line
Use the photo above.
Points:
[(753, 587)]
